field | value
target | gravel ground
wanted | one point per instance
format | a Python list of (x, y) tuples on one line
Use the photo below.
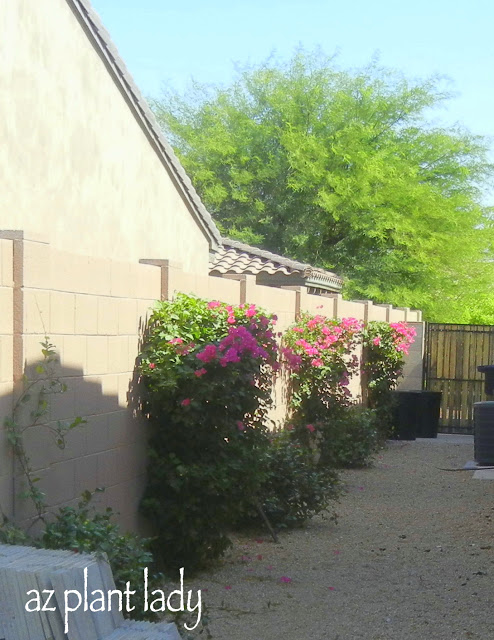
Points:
[(411, 557)]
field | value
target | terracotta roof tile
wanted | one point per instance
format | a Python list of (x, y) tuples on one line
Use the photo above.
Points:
[(238, 258)]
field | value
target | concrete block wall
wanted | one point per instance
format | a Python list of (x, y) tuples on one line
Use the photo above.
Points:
[(6, 371), (94, 311)]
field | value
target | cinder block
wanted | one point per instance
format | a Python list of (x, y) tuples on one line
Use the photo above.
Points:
[(6, 455), (144, 310), (6, 311), (62, 312), (118, 427), (148, 281), (37, 265), (62, 405), (86, 473), (86, 314), (58, 482), (107, 316), (89, 399), (37, 311), (97, 434), (7, 492), (134, 346), (124, 385), (73, 355), (96, 355), (6, 358), (120, 279), (109, 468), (128, 322), (109, 388), (99, 276), (118, 354)]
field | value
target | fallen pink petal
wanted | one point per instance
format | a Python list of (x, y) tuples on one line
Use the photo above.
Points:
[(285, 579)]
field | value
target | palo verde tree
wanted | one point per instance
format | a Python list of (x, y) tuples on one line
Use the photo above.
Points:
[(343, 170)]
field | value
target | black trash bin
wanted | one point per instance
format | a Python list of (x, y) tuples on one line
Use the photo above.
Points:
[(483, 413), (416, 414)]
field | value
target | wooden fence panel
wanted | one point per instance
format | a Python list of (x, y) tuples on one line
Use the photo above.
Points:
[(452, 354)]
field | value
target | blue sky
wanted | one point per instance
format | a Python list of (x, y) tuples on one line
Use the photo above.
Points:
[(164, 42)]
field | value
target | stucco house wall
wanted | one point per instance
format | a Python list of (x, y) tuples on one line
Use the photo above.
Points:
[(76, 162)]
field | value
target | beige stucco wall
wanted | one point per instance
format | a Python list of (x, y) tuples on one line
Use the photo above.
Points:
[(74, 161)]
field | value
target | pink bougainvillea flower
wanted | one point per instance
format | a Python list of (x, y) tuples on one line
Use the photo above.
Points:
[(317, 362), (311, 428), (207, 354), (175, 341), (185, 402), (200, 372), (231, 319), (152, 365), (251, 311), (377, 341), (213, 304), (240, 425), (285, 579)]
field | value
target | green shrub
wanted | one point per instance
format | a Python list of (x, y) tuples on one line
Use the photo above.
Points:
[(343, 439), (84, 530), (295, 489)]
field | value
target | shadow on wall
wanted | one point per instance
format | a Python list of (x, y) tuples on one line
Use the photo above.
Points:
[(108, 451)]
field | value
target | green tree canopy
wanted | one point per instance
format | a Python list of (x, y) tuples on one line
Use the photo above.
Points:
[(345, 170)]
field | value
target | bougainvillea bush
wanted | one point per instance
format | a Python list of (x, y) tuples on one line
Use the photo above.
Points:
[(319, 354), (207, 368), (385, 348)]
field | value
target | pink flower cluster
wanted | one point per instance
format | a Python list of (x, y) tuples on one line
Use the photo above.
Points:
[(323, 338), (404, 336), (239, 341)]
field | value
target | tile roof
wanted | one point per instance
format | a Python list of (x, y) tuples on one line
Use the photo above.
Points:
[(116, 66), (237, 258)]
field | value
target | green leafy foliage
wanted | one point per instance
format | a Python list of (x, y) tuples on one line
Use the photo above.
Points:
[(208, 369), (295, 488), (85, 530), (345, 439), (343, 169)]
